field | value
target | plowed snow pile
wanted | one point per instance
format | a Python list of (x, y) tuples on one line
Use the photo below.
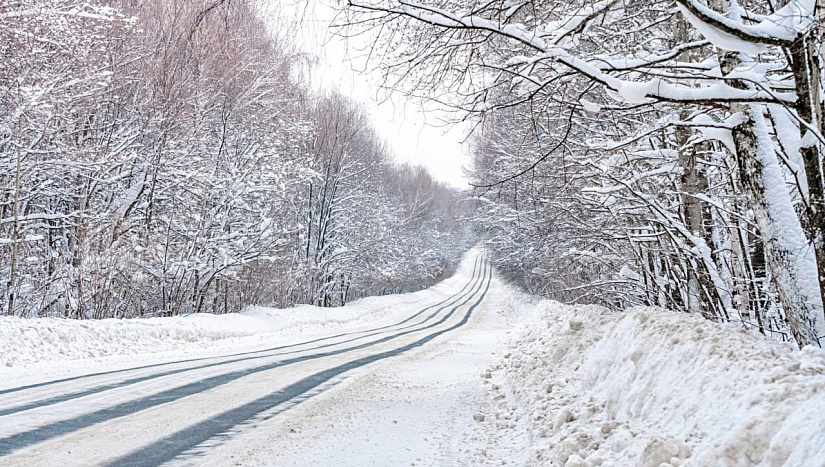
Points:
[(653, 388), (27, 341), (43, 340)]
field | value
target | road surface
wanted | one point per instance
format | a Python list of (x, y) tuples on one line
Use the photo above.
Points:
[(274, 406)]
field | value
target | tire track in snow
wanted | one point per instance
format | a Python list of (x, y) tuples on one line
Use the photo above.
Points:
[(19, 441), (246, 356), (190, 438)]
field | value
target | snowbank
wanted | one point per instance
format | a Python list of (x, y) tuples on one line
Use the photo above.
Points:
[(26, 341), (653, 388), (42, 340)]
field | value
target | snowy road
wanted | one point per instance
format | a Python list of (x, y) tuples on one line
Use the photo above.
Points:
[(196, 410), (469, 372)]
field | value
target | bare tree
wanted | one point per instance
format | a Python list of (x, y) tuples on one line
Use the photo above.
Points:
[(717, 79)]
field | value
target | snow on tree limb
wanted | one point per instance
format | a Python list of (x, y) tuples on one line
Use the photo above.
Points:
[(780, 29)]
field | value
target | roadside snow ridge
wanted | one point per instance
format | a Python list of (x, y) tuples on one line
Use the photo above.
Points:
[(654, 388)]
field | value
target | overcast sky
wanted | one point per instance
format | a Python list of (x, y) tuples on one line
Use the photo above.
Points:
[(414, 135)]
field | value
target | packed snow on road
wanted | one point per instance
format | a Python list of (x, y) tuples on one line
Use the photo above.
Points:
[(469, 372)]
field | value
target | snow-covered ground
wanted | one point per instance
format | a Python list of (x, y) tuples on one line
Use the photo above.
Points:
[(195, 379), (50, 347), (523, 382), (586, 387), (28, 341), (415, 410)]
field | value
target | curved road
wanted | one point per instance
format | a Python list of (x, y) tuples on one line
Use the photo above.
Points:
[(153, 414)]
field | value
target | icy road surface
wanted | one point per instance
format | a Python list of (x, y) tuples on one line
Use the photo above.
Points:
[(392, 393)]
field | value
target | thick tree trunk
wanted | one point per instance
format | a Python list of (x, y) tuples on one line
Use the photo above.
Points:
[(788, 252), (791, 258)]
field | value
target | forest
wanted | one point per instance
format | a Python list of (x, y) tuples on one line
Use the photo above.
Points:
[(162, 158), (633, 152)]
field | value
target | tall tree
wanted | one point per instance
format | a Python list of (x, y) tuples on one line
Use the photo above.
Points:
[(718, 79)]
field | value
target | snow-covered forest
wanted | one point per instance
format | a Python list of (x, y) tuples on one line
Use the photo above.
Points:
[(161, 158), (636, 151), (631, 273)]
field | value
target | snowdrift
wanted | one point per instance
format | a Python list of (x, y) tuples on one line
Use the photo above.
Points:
[(38, 340), (42, 340), (653, 388)]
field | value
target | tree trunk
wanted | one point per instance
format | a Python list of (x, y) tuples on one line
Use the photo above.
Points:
[(791, 258), (691, 183), (808, 108), (11, 287), (787, 251)]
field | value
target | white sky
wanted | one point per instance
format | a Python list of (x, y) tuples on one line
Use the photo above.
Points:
[(414, 135)]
